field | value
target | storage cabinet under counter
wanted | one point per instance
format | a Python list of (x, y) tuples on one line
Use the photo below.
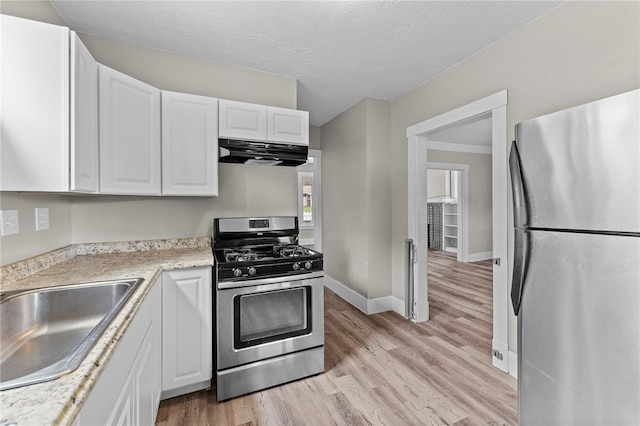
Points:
[(119, 381), (187, 335), (128, 391)]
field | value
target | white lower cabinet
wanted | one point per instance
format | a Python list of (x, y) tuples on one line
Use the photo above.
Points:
[(187, 349), (128, 391), (166, 351)]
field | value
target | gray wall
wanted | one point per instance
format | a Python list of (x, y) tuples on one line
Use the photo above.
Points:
[(577, 53), (29, 242), (344, 173), (437, 183), (356, 198), (479, 195), (244, 190)]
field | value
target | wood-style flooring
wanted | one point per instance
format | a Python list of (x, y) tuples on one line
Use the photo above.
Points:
[(383, 370)]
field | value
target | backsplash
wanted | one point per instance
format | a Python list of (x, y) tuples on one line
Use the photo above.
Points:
[(22, 269)]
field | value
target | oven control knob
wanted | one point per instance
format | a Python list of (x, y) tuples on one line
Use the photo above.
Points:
[(296, 266), (237, 272), (252, 270), (307, 265)]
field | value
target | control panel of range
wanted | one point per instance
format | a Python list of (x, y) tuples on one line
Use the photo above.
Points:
[(271, 269)]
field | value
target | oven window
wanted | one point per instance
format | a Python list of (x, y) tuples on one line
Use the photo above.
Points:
[(266, 317)]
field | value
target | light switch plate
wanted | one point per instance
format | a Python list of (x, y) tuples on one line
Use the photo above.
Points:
[(9, 222), (42, 218)]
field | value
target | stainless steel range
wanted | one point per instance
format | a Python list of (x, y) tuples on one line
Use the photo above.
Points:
[(269, 305)]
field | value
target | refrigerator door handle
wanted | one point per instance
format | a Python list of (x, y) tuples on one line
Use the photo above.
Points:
[(521, 235), (520, 262), (520, 210)]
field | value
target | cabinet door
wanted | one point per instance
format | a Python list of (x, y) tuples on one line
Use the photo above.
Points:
[(288, 125), (187, 354), (129, 134), (128, 388), (123, 413), (189, 144), (34, 153), (84, 119), (144, 379), (241, 120)]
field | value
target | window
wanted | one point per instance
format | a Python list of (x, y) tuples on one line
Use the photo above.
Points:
[(305, 199)]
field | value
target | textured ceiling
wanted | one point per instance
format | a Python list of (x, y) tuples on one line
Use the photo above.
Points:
[(339, 51)]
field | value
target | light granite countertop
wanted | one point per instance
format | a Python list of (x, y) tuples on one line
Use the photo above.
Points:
[(59, 401)]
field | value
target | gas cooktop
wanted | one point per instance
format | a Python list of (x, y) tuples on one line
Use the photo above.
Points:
[(247, 254), (253, 248)]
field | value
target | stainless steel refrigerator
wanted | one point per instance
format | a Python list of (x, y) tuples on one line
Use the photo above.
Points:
[(576, 275)]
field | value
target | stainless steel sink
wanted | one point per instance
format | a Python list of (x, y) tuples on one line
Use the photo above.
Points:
[(45, 333)]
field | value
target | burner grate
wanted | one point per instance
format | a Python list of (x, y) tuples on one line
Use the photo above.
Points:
[(240, 255), (291, 251)]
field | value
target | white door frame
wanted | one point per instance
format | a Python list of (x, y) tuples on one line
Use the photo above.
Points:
[(463, 214), (316, 154), (417, 213)]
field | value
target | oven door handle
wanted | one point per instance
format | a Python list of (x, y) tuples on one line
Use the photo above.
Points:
[(273, 280)]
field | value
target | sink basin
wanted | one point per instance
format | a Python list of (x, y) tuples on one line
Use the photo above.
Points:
[(47, 332)]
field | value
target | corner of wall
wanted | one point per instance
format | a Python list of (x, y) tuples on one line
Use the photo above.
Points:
[(42, 11)]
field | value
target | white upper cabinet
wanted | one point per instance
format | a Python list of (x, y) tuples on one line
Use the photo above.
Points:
[(241, 120), (129, 112), (288, 125), (189, 144), (39, 75), (84, 118)]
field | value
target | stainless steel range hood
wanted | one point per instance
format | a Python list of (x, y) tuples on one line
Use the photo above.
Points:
[(261, 153)]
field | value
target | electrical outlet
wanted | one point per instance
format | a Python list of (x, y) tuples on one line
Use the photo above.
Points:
[(42, 218), (9, 222)]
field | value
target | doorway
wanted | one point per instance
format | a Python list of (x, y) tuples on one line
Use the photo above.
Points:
[(493, 106), (447, 185), (310, 201)]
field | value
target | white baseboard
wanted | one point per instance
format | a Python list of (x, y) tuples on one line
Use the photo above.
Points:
[(379, 304), (477, 257), (397, 306), (368, 306), (500, 356), (513, 364), (351, 296)]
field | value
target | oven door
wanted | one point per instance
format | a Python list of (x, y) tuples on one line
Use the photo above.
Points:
[(261, 319)]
